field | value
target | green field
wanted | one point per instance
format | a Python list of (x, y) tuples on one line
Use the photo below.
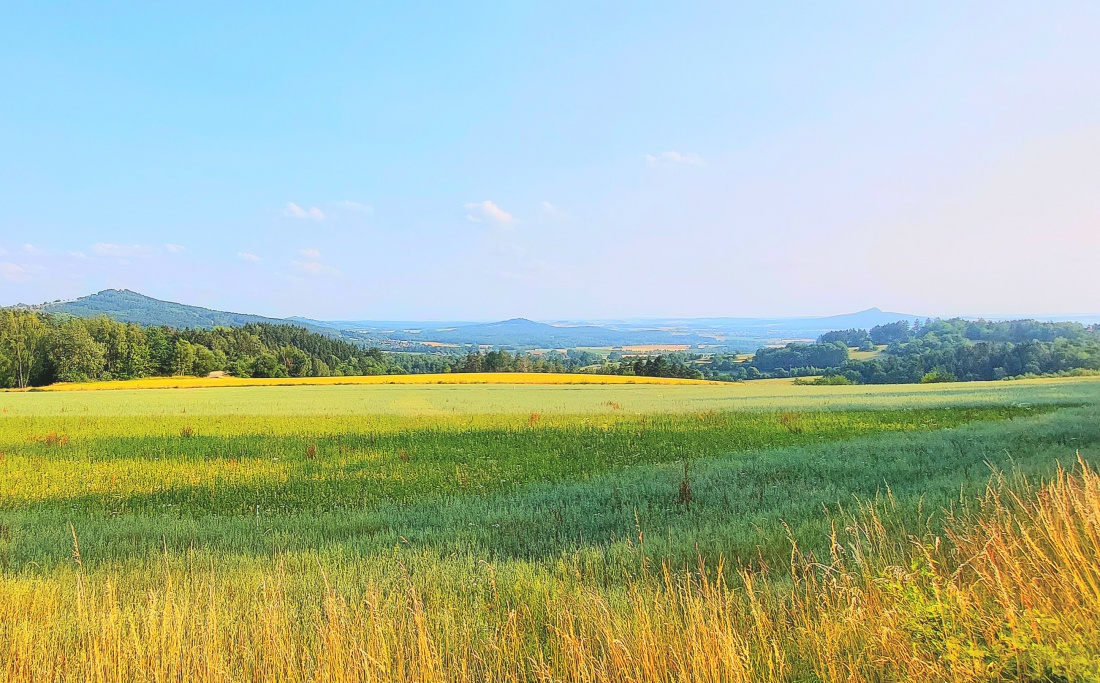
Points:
[(420, 401), (483, 500)]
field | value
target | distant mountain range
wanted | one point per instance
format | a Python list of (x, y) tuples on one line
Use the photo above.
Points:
[(523, 333), (745, 334), (739, 333)]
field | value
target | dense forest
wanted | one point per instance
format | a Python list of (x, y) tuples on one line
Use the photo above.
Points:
[(572, 360), (497, 360), (964, 350), (38, 349)]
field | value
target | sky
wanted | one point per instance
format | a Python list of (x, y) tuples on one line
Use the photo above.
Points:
[(564, 160)]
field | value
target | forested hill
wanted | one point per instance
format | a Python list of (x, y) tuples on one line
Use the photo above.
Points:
[(968, 350), (41, 348), (130, 307)]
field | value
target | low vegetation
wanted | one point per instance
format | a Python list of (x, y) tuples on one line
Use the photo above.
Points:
[(558, 533), (1005, 592)]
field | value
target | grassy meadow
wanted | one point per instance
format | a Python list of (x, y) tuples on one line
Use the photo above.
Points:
[(561, 532)]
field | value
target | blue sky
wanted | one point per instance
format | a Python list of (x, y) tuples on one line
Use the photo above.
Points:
[(562, 160)]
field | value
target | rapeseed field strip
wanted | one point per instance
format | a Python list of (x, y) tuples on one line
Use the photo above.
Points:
[(538, 378)]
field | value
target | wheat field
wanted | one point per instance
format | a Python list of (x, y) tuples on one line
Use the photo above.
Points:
[(551, 533), (1009, 591)]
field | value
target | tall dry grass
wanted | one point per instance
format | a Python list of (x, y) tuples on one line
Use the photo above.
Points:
[(1010, 592)]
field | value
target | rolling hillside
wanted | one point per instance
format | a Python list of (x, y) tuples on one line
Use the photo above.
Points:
[(131, 307)]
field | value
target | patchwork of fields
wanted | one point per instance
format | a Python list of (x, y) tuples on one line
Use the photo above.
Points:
[(544, 532)]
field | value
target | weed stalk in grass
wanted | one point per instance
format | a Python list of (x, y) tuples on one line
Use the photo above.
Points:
[(685, 488)]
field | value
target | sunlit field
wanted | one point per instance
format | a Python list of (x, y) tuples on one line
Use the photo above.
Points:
[(215, 397), (512, 378), (613, 532)]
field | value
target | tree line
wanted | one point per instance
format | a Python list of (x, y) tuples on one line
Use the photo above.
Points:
[(922, 351), (571, 360), (926, 351), (38, 349), (965, 350), (494, 360)]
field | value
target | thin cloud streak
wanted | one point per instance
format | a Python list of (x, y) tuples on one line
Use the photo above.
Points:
[(14, 272), (110, 250), (551, 211), (488, 210), (674, 158), (295, 211), (315, 268), (354, 206)]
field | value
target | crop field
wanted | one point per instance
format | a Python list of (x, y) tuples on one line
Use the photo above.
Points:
[(551, 532), (512, 378), (315, 396)]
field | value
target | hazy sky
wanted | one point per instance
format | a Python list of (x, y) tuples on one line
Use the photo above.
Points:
[(562, 160)]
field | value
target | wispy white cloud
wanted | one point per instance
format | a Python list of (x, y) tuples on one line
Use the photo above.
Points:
[(315, 268), (670, 158), (13, 272), (175, 248), (488, 210), (31, 249), (110, 250), (248, 256), (295, 211), (551, 211), (349, 205), (312, 264)]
